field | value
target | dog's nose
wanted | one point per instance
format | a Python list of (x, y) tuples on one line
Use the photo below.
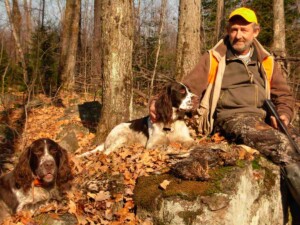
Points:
[(49, 164)]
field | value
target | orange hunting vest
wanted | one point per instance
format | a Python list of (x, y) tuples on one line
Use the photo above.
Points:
[(267, 64)]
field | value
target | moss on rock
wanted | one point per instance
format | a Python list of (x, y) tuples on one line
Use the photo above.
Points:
[(148, 194)]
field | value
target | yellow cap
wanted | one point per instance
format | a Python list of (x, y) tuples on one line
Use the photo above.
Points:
[(246, 13)]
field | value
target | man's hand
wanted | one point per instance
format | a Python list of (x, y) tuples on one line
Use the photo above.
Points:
[(283, 118), (196, 102), (152, 111)]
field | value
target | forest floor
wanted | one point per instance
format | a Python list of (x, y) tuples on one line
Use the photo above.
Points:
[(103, 186)]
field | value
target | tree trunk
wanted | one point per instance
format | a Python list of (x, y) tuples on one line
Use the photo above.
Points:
[(278, 46), (96, 65), (188, 39), (138, 45), (42, 18), (116, 62), (17, 42), (27, 36), (16, 17), (69, 44), (160, 31), (219, 20)]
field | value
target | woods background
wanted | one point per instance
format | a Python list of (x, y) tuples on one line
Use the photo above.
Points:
[(119, 51)]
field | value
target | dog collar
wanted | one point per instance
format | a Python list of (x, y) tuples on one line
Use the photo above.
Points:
[(37, 182)]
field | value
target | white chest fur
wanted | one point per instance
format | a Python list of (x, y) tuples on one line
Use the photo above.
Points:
[(34, 198)]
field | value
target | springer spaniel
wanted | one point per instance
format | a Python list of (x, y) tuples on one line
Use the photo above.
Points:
[(171, 106), (41, 174)]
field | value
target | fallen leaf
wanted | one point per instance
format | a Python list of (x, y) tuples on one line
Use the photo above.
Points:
[(217, 137), (249, 149), (72, 207), (54, 216), (127, 175), (145, 159), (164, 184), (129, 205), (175, 145), (81, 219), (48, 207), (147, 222), (91, 195), (102, 196), (118, 197)]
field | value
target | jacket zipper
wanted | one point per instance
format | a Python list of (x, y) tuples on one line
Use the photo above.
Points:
[(250, 74), (251, 78)]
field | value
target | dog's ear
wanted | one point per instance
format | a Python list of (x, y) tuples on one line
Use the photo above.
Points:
[(163, 105), (22, 172), (64, 174)]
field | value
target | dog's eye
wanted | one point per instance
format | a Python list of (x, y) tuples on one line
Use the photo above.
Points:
[(53, 150), (38, 151)]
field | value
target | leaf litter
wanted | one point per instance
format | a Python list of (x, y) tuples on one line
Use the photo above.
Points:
[(102, 189), (93, 199)]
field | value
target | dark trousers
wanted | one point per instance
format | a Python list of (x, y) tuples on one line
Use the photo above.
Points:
[(290, 206), (254, 132)]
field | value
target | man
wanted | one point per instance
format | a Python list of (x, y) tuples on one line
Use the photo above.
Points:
[(233, 80)]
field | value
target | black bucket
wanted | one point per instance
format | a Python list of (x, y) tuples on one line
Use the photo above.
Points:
[(89, 113)]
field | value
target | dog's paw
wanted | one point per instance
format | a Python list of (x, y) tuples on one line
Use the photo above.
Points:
[(188, 144), (158, 144)]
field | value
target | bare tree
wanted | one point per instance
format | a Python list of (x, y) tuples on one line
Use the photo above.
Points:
[(116, 57), (160, 30), (96, 54), (69, 45), (188, 39), (279, 28), (219, 20), (27, 12), (278, 46), (16, 17), (17, 41), (42, 14)]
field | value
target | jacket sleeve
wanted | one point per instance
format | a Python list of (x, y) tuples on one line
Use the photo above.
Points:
[(197, 79), (281, 94)]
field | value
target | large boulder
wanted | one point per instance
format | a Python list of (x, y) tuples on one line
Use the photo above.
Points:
[(248, 193)]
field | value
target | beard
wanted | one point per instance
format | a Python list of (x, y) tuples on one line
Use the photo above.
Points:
[(240, 46)]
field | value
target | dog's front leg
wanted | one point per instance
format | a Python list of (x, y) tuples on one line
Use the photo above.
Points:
[(181, 134), (157, 137)]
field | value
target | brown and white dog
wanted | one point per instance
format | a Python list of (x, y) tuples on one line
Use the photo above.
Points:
[(171, 106), (42, 174)]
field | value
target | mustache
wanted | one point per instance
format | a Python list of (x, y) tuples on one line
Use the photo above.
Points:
[(238, 40)]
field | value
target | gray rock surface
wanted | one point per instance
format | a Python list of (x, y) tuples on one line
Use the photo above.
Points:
[(247, 194)]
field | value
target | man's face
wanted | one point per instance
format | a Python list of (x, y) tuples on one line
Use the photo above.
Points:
[(241, 34)]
